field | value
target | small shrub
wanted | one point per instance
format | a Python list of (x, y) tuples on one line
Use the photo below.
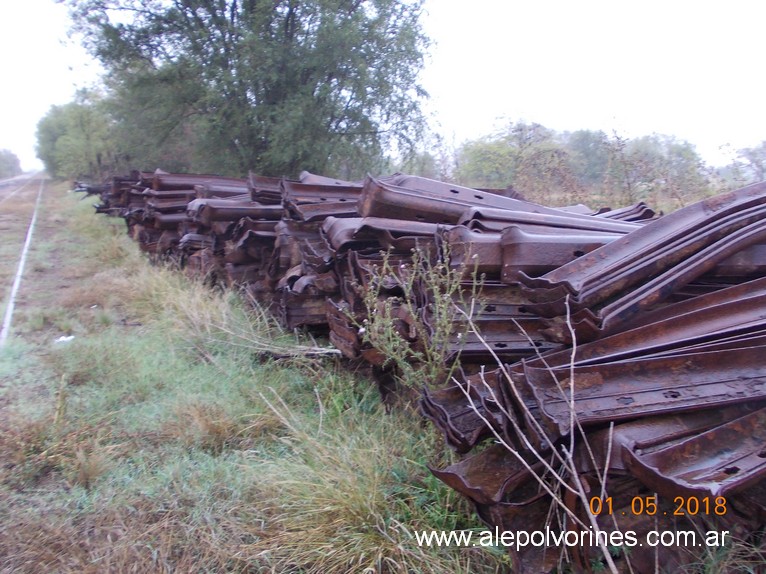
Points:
[(420, 355)]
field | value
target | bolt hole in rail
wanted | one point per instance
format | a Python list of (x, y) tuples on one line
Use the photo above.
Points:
[(16, 189)]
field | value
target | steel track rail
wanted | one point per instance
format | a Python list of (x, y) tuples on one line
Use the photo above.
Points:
[(6, 328)]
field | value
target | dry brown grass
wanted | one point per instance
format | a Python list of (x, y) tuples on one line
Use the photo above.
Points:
[(35, 450), (17, 212), (158, 445), (211, 428), (106, 288), (141, 538)]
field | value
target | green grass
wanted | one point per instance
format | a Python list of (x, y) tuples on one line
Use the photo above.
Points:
[(180, 431)]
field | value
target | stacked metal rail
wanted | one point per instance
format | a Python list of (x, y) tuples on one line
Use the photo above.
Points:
[(657, 395), (614, 354)]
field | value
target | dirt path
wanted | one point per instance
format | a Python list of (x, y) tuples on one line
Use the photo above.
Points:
[(11, 300), (53, 269), (17, 201)]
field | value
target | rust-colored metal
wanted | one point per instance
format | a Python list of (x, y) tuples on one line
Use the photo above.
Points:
[(528, 254), (650, 386), (494, 219), (431, 202), (173, 181), (637, 338), (717, 462), (207, 211), (645, 252)]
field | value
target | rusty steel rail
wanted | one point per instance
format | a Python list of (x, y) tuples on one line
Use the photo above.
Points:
[(645, 252), (636, 338)]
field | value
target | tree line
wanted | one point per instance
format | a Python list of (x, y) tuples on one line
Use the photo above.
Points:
[(9, 164), (228, 86), (564, 167), (330, 86)]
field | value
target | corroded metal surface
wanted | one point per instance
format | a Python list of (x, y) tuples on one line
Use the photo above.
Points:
[(616, 349)]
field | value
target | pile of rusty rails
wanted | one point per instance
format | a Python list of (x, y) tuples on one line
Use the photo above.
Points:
[(611, 375)]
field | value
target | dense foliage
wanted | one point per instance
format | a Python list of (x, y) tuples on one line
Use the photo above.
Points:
[(76, 140), (562, 167), (9, 164), (329, 86), (275, 87)]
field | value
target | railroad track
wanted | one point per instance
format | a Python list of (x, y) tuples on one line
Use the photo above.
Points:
[(19, 206)]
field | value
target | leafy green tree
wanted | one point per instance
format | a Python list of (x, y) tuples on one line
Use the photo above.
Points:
[(154, 121), (422, 163), (685, 177), (10, 165), (658, 168), (545, 174), (488, 162), (75, 140), (753, 160), (49, 129), (526, 157), (585, 166), (276, 87), (589, 153), (494, 161)]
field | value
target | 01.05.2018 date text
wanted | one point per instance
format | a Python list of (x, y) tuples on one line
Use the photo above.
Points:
[(647, 505)]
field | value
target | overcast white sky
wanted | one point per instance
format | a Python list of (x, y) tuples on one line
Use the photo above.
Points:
[(694, 70), (37, 70), (691, 69)]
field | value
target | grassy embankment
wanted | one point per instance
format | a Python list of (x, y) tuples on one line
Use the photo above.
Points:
[(157, 440), (160, 440)]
